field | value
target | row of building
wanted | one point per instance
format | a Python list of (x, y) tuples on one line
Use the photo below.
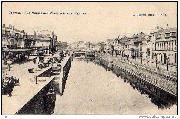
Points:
[(18, 43), (160, 46), (83, 46)]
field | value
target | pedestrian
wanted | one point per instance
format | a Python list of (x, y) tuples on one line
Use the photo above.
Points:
[(34, 60), (10, 86), (158, 68), (8, 66), (5, 61)]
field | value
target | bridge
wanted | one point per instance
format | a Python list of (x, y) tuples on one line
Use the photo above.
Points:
[(84, 54)]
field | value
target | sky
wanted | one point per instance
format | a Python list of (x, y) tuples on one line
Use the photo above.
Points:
[(102, 21)]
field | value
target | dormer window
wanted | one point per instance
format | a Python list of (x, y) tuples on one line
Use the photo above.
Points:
[(16, 34), (167, 35), (159, 36), (173, 34)]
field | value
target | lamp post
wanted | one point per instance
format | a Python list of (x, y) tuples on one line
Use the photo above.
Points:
[(156, 59), (35, 78), (141, 52), (167, 62), (141, 57)]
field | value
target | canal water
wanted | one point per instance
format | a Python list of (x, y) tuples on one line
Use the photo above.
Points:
[(90, 89)]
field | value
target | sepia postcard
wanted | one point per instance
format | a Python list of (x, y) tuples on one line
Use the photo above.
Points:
[(89, 58)]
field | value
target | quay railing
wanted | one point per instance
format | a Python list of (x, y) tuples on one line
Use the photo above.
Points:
[(167, 84)]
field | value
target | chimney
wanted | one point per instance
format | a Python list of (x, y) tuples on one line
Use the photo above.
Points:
[(53, 34), (167, 26)]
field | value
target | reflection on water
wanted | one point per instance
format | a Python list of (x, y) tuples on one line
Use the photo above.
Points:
[(91, 89), (158, 96)]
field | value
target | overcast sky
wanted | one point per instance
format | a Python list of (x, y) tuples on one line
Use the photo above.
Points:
[(101, 21)]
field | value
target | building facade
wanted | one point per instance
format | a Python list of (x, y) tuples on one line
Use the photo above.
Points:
[(158, 47), (165, 45), (17, 43)]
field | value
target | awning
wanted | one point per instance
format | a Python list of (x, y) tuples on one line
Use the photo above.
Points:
[(16, 50)]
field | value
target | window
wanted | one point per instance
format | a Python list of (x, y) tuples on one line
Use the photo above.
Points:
[(152, 55), (164, 45), (160, 46), (148, 52), (3, 32), (167, 35), (173, 34)]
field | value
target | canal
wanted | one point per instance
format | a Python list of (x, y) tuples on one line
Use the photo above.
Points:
[(90, 89)]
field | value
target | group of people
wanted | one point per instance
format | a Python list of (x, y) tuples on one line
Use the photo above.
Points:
[(8, 84)]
